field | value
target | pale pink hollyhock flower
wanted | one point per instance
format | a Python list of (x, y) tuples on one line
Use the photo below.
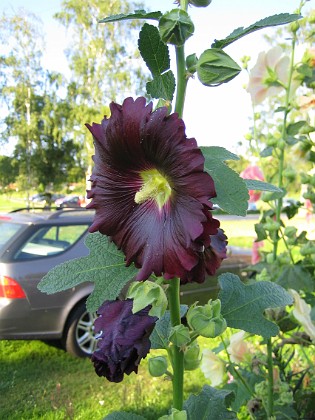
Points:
[(271, 66), (302, 313), (212, 367), (238, 347), (256, 256)]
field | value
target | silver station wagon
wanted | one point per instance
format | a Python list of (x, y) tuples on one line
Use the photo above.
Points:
[(31, 244)]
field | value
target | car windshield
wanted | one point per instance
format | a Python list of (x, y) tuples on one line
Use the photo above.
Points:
[(7, 231)]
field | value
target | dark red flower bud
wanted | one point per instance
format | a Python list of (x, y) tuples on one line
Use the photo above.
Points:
[(124, 339)]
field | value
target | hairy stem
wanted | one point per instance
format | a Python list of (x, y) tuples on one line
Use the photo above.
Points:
[(177, 354), (270, 407)]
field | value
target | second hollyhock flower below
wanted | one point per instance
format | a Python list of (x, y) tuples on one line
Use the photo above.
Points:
[(124, 339), (151, 193)]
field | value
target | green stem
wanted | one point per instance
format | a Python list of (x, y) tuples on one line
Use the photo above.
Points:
[(236, 372), (270, 407), (181, 80), (282, 150), (177, 354)]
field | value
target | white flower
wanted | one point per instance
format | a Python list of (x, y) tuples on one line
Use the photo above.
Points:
[(302, 313), (238, 347), (212, 367), (271, 67)]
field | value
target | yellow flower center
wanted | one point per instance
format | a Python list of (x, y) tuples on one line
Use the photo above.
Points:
[(155, 187)]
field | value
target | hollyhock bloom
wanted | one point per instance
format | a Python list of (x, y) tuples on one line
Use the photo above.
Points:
[(253, 172), (237, 348), (271, 67), (212, 367), (210, 259), (150, 191), (302, 313), (124, 339)]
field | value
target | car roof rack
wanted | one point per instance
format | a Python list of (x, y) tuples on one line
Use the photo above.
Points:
[(64, 212)]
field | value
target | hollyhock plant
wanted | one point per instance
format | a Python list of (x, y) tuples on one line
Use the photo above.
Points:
[(269, 74), (150, 192), (124, 339)]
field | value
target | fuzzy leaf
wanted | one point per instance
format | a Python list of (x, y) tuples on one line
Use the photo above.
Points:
[(296, 277), (138, 14), (153, 51), (238, 33), (162, 86), (243, 306), (104, 266), (232, 193), (122, 415), (210, 404), (254, 184)]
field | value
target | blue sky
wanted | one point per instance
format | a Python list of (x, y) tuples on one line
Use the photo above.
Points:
[(214, 116)]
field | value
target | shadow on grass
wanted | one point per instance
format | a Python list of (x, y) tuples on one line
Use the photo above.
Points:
[(39, 380)]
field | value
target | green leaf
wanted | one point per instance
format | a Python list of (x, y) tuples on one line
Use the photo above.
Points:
[(138, 14), (238, 33), (153, 51), (162, 86), (294, 128), (232, 193), (210, 404), (243, 306), (162, 329), (104, 266), (156, 56), (296, 277), (266, 152), (122, 415), (260, 232), (254, 184)]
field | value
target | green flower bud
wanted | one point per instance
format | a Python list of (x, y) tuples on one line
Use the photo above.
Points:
[(294, 26), (271, 225), (175, 415), (148, 293), (158, 366), (206, 320), (192, 357), (290, 174), (191, 63), (215, 67), (290, 231), (176, 27), (200, 3), (179, 335), (308, 249)]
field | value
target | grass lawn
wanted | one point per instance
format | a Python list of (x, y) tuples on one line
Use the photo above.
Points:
[(39, 381)]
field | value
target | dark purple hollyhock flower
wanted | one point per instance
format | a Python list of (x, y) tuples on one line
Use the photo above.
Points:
[(124, 339), (210, 259), (149, 189)]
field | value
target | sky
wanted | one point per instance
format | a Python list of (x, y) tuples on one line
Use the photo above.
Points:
[(215, 116)]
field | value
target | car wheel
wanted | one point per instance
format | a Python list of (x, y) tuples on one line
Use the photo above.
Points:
[(79, 338)]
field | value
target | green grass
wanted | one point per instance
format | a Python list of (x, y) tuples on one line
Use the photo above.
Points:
[(39, 381)]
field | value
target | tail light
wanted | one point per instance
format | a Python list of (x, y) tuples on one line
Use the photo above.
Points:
[(10, 289)]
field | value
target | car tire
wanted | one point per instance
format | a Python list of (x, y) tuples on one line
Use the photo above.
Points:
[(79, 338)]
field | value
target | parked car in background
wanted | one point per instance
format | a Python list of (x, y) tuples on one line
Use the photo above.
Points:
[(72, 201), (33, 243)]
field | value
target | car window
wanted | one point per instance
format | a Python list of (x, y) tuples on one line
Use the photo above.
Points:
[(7, 231), (50, 240)]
